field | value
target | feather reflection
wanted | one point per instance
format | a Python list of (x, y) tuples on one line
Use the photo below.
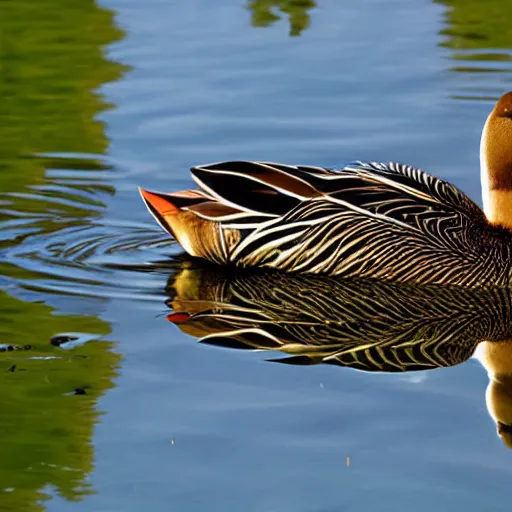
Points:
[(362, 324)]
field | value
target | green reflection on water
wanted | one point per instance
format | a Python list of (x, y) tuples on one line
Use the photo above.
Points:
[(479, 33), (476, 24), (265, 12), (52, 61), (45, 428)]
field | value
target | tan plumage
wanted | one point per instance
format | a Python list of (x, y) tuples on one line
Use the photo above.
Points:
[(384, 221)]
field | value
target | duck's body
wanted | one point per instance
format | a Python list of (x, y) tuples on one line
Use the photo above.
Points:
[(385, 221)]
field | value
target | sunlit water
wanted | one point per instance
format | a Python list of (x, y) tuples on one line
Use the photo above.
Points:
[(132, 414)]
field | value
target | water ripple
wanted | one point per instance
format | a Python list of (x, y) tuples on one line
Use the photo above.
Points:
[(55, 237)]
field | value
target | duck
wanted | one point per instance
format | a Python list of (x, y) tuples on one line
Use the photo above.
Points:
[(374, 220)]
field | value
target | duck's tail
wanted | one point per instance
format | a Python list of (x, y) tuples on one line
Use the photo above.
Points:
[(176, 214), (230, 204)]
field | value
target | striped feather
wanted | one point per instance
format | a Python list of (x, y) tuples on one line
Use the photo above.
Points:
[(372, 220)]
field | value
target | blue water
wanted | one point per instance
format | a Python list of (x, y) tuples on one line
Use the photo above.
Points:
[(187, 427)]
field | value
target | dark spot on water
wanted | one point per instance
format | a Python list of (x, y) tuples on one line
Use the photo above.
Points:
[(60, 339), (11, 348), (80, 390), (72, 339)]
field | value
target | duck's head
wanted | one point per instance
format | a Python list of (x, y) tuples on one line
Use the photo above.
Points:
[(496, 357), (496, 163)]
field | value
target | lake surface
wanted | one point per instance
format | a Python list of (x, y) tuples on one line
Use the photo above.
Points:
[(133, 414)]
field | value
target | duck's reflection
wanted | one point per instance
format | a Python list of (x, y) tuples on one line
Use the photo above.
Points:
[(367, 325)]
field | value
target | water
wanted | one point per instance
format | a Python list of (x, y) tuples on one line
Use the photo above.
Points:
[(99, 98)]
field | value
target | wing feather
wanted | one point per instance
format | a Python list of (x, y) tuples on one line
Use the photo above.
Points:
[(391, 222)]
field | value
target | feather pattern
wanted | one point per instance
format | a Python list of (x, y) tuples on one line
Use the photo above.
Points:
[(375, 220)]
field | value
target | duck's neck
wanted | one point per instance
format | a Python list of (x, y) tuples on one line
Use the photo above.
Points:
[(496, 174)]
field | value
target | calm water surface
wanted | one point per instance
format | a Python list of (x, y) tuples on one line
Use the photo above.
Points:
[(97, 98)]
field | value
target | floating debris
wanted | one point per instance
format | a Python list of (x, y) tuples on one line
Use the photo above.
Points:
[(60, 339), (11, 348), (72, 339)]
